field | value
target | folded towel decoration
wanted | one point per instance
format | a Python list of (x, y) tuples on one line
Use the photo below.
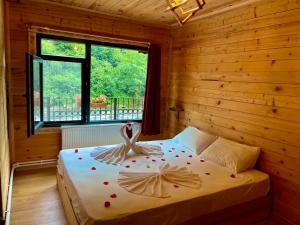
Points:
[(156, 184), (117, 154)]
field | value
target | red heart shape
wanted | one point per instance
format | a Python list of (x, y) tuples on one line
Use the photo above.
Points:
[(190, 156), (76, 151), (207, 173), (202, 160), (105, 182), (106, 204), (177, 156), (232, 176), (176, 186), (133, 161), (93, 168), (153, 160), (163, 159), (127, 166), (79, 158), (113, 196)]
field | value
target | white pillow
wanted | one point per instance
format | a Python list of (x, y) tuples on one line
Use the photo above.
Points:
[(194, 139), (235, 156)]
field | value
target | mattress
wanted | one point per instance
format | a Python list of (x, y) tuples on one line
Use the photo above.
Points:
[(90, 183)]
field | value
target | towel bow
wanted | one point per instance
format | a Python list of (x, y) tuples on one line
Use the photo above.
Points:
[(155, 184)]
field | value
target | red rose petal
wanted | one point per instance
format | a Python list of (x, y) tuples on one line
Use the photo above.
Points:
[(207, 173), (153, 160), (163, 159), (106, 204), (176, 186), (188, 163), (190, 156), (76, 150), (113, 196), (79, 158), (232, 176), (127, 166), (93, 168), (177, 156), (105, 182), (133, 161), (202, 160)]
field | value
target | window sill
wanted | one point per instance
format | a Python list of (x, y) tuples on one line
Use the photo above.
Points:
[(58, 125)]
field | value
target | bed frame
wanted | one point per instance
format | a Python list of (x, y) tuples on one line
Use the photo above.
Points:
[(244, 214)]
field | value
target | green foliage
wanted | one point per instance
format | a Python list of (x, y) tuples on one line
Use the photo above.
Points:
[(118, 72), (115, 72), (61, 79), (63, 48)]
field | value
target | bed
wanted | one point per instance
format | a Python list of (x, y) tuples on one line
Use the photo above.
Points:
[(86, 184)]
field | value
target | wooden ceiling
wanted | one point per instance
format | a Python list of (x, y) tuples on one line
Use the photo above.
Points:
[(150, 12)]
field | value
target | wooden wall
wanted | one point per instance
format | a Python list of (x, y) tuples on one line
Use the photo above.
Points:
[(4, 149), (47, 143), (237, 75)]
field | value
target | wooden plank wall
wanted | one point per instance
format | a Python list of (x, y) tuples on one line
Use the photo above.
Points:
[(4, 149), (237, 75), (47, 143)]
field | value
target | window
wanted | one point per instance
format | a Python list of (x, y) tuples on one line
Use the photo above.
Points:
[(81, 82), (120, 75)]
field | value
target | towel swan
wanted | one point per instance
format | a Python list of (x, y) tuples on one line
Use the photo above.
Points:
[(117, 154), (144, 148)]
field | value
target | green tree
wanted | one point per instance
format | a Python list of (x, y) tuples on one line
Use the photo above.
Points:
[(115, 72)]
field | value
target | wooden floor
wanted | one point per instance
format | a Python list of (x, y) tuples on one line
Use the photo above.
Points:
[(36, 201)]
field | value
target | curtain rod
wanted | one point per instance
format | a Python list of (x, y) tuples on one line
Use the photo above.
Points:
[(79, 35)]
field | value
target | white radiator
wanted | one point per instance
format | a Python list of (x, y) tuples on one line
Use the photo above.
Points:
[(91, 135)]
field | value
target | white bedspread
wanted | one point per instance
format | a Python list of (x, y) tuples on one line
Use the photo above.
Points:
[(90, 184)]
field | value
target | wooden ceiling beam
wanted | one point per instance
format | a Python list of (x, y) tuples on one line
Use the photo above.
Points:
[(148, 12)]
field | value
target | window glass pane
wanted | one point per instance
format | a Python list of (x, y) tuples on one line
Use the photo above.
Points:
[(62, 90), (62, 48), (118, 80), (36, 91)]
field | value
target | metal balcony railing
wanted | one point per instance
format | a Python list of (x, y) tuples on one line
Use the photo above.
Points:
[(61, 109)]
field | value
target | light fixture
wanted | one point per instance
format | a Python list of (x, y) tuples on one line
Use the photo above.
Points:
[(184, 9), (177, 110)]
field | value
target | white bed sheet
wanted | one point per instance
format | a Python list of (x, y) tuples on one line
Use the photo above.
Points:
[(84, 179)]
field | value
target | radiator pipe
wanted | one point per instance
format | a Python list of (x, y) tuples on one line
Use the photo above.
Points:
[(11, 179)]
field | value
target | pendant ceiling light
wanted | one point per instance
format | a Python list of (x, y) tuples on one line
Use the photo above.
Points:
[(184, 9)]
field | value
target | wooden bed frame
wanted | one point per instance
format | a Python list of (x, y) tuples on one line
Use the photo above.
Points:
[(244, 214)]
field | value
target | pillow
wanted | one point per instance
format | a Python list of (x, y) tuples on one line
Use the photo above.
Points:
[(194, 139), (235, 156)]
